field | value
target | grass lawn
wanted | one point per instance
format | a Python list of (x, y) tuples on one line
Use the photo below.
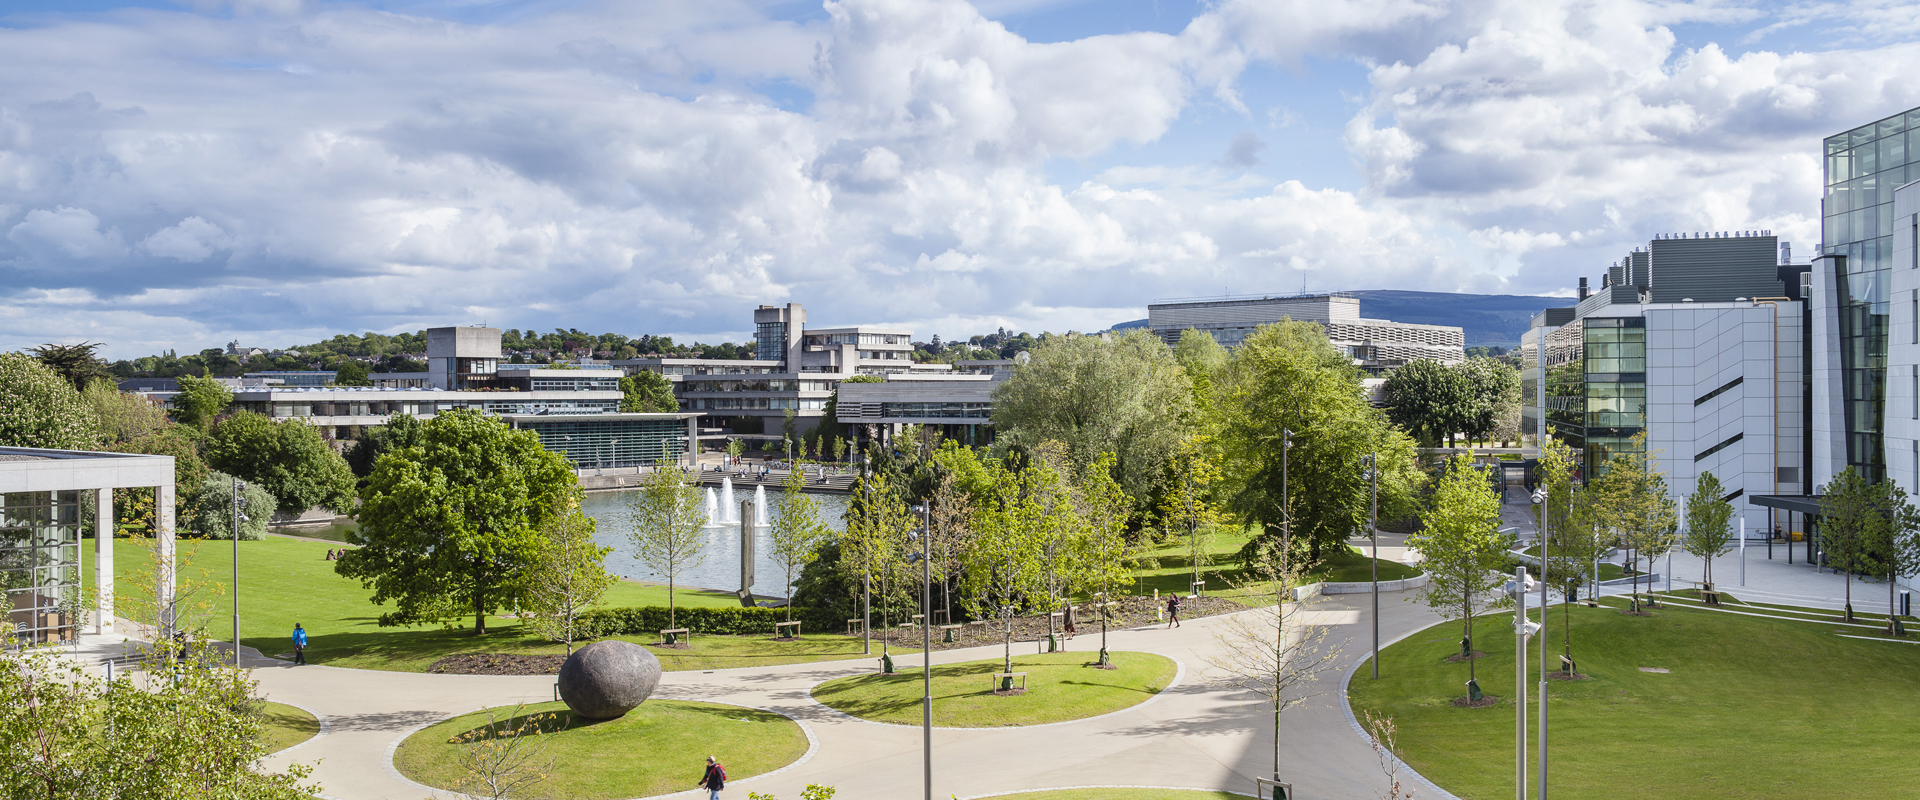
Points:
[(1751, 708), (657, 748), (1174, 570), (284, 581), (1123, 794), (286, 726), (1060, 686), (1607, 571)]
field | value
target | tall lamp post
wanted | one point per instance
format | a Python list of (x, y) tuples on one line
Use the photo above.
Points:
[(238, 487), (1522, 628), (1540, 499), (1373, 532), (926, 649)]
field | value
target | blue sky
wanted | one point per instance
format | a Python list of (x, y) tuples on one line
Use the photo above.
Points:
[(176, 175)]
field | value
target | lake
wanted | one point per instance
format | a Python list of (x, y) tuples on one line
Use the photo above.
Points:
[(720, 568)]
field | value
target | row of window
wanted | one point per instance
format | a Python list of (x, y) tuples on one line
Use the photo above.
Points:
[(757, 386), (752, 404), (689, 369), (581, 384), (1891, 150), (924, 410), (832, 339), (299, 410)]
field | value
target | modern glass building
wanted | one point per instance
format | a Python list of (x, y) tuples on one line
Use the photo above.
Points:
[(600, 441), (1862, 168)]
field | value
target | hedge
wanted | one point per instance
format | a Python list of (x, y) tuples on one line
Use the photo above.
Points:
[(653, 619)]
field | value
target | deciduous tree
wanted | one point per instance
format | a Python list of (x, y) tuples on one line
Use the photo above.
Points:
[(667, 517), (1708, 517), (797, 532), (1002, 564), (647, 392), (288, 458), (1852, 519), (38, 408), (568, 575), (200, 401), (1275, 650), (1462, 550)]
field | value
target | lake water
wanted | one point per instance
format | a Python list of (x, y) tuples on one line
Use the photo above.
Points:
[(720, 569)]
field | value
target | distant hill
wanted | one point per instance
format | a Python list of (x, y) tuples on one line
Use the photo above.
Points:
[(1487, 319)]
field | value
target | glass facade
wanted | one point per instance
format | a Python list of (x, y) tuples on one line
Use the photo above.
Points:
[(594, 444), (770, 341), (1862, 168), (937, 410), (1614, 391), (40, 562)]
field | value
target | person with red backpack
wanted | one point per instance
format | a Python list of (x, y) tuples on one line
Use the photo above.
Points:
[(715, 779)]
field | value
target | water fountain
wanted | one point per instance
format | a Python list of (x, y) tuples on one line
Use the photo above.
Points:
[(760, 506), (728, 511), (713, 509)]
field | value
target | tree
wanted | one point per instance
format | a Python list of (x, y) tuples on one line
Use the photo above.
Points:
[(400, 432), (1429, 400), (1104, 509), (452, 523), (1896, 545), (1631, 499), (1002, 562), (1493, 391), (1851, 519), (76, 363), (351, 373), (187, 726), (1203, 359), (1573, 540), (210, 516), (287, 458), (873, 544), (567, 576), (200, 400), (1273, 650), (1127, 396), (667, 520), (798, 531), (647, 393), (38, 408), (1186, 500), (1287, 376), (1708, 515), (1462, 551), (123, 416)]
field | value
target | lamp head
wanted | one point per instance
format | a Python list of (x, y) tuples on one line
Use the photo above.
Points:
[(1539, 496)]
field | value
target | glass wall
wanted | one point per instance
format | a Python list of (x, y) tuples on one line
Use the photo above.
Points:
[(40, 563), (592, 444), (770, 341), (1615, 393), (1863, 167)]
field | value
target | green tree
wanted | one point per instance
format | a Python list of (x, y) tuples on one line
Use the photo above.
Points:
[(1186, 499), (123, 416), (1631, 499), (288, 459), (1203, 359), (351, 373), (1708, 517), (1462, 550), (568, 575), (1851, 520), (38, 408), (1104, 510), (210, 516), (1287, 376), (187, 726), (797, 532), (450, 525), (1001, 567), (1896, 545), (1573, 541), (1127, 396), (76, 363), (667, 519), (647, 393), (1493, 392), (200, 401), (874, 542), (1429, 400), (400, 432)]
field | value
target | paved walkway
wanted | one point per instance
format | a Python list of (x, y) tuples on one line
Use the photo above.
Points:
[(1191, 735)]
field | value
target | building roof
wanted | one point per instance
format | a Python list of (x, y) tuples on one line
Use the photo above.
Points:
[(26, 469)]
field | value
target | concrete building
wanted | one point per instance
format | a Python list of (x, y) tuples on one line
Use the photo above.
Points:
[(463, 358), (1376, 345), (1695, 339), (959, 407), (293, 377), (598, 441), (42, 494)]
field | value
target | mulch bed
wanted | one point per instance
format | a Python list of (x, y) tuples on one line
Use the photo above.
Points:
[(1457, 658), (1009, 692), (497, 664), (1485, 700)]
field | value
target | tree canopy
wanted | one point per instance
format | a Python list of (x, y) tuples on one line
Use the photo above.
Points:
[(200, 401), (647, 392), (38, 408), (448, 525), (289, 459)]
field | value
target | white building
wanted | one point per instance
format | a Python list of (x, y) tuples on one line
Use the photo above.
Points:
[(1376, 345)]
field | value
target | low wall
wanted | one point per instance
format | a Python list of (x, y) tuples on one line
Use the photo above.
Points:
[(1361, 587)]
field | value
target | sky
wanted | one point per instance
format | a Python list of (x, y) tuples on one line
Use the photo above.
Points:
[(182, 174)]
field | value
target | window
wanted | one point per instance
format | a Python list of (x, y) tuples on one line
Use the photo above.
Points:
[(770, 341)]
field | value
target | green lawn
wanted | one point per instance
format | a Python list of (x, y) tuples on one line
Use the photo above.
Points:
[(286, 726), (284, 581), (657, 748), (1751, 708), (1123, 794), (1173, 573), (1060, 686)]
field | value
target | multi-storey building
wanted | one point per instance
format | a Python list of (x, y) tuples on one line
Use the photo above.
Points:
[(1695, 340), (1376, 345)]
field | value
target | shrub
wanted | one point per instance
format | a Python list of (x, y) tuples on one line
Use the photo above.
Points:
[(653, 619)]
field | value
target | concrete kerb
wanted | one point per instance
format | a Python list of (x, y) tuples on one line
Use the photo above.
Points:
[(1108, 786), (326, 727), (1179, 674), (1346, 708), (393, 747)]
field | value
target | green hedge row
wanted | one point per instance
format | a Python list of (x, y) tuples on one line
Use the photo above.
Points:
[(653, 619)]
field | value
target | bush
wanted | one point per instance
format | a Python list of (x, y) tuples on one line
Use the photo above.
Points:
[(653, 619), (38, 408), (210, 516)]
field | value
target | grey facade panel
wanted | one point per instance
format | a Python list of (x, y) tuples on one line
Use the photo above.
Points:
[(1715, 270)]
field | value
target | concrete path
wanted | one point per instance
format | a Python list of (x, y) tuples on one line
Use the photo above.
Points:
[(1191, 735)]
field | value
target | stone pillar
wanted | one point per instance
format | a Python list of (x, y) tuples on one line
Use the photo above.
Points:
[(163, 552), (103, 561)]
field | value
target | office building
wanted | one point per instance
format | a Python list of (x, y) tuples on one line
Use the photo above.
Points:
[(1376, 345), (1902, 409), (1696, 340), (291, 377), (958, 406), (43, 494)]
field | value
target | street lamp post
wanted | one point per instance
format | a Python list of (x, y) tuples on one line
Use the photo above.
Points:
[(238, 487), (1522, 628), (1373, 532), (1540, 499), (926, 648)]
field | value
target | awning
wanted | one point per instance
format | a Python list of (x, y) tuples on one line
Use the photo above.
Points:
[(1804, 504)]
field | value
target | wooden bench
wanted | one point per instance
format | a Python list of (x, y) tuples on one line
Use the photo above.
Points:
[(1708, 594), (668, 635), (1198, 587), (940, 617), (1567, 666), (1008, 677), (855, 626), (948, 636), (795, 625)]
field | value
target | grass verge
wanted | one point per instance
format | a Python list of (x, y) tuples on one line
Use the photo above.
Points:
[(657, 748), (1060, 687), (1172, 570), (1734, 716), (286, 726)]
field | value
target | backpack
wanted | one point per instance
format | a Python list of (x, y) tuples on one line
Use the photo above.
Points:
[(717, 778)]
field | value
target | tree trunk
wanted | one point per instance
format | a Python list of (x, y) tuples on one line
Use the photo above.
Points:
[(670, 615), (479, 608), (1472, 673)]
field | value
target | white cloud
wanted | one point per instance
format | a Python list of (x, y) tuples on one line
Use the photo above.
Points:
[(60, 235), (193, 240)]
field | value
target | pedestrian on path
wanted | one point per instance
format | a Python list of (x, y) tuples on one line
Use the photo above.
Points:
[(1173, 611), (715, 779), (299, 644)]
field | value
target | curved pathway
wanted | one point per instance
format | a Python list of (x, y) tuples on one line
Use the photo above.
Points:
[(1192, 735)]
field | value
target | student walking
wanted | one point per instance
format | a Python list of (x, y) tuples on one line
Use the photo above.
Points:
[(299, 644), (1173, 611), (715, 779)]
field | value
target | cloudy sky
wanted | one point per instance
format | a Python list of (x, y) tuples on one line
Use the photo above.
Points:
[(181, 174)]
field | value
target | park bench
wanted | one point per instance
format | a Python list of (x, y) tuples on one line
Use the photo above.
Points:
[(856, 626), (1567, 666), (795, 625), (1007, 677), (670, 635), (1198, 587), (1708, 594), (940, 617), (947, 637)]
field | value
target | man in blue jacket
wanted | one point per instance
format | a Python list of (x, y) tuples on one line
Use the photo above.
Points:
[(299, 644)]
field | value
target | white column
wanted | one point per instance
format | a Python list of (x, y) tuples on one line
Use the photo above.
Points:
[(103, 561), (163, 536)]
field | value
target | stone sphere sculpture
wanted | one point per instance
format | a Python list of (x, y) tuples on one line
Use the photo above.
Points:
[(607, 679)]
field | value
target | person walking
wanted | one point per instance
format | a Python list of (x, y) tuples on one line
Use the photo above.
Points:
[(714, 780), (299, 644), (1173, 611)]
